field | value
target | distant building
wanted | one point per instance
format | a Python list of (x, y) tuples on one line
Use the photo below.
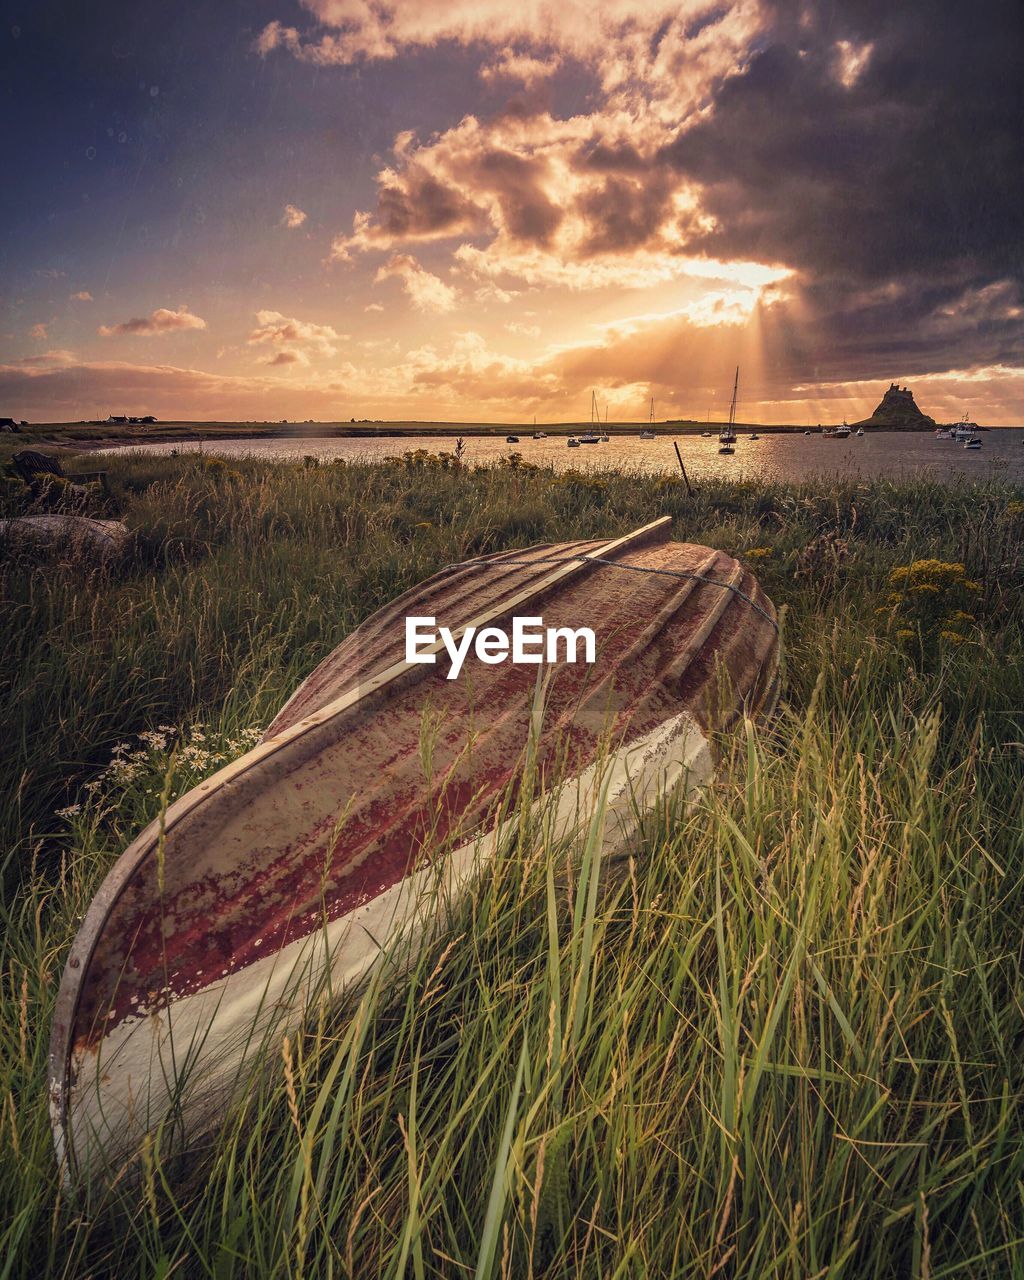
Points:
[(897, 410)]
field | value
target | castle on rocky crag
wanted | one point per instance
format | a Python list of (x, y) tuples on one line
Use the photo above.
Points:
[(897, 409)]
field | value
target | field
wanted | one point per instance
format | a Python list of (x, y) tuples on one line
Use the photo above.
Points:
[(786, 1043)]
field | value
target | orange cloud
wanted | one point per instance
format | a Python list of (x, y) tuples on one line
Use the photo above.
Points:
[(626, 39), (300, 337), (580, 204), (287, 357), (292, 217), (157, 322), (425, 291), (520, 68), (83, 296)]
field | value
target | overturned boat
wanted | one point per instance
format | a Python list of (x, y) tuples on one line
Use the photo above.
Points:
[(81, 536), (340, 836)]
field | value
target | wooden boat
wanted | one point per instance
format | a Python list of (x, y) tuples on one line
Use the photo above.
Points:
[(80, 535), (332, 844)]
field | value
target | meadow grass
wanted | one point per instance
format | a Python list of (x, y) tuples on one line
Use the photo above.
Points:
[(785, 1040)]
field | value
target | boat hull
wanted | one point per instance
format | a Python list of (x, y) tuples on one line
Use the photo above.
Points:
[(375, 797)]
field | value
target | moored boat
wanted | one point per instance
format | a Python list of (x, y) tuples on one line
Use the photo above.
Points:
[(727, 435), (573, 443), (317, 853), (511, 439)]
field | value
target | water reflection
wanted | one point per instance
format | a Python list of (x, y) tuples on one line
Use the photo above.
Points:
[(780, 457)]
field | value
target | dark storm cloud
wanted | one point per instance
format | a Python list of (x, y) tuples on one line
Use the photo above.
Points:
[(518, 182), (624, 213), (878, 150), (422, 205)]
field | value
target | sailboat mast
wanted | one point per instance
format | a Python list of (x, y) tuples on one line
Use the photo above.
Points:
[(732, 407)]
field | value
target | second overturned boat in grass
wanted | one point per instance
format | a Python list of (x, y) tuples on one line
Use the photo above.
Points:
[(378, 792)]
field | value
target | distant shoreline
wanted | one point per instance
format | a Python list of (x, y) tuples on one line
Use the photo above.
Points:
[(84, 435)]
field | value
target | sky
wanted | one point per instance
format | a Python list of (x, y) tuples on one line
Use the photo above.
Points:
[(476, 210)]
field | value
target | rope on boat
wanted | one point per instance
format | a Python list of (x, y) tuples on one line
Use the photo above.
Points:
[(617, 564)]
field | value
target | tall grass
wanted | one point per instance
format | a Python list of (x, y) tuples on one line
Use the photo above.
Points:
[(783, 1040)]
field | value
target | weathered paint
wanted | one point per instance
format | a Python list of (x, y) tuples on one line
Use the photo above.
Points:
[(317, 849)]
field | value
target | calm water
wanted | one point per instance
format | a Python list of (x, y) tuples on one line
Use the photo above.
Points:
[(781, 457)]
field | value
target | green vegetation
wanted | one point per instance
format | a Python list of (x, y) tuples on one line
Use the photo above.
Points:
[(785, 1041)]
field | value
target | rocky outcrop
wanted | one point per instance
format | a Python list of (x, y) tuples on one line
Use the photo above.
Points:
[(897, 411)]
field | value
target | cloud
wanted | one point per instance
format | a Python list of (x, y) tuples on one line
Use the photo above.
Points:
[(623, 36), (46, 359), (871, 160), (160, 321), (579, 203), (298, 338), (374, 306), (83, 296), (426, 292), (523, 330), (876, 156), (287, 358), (520, 68), (88, 389), (292, 217), (40, 331)]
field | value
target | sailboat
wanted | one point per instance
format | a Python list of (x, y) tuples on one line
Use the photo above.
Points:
[(727, 435), (648, 433), (591, 436)]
